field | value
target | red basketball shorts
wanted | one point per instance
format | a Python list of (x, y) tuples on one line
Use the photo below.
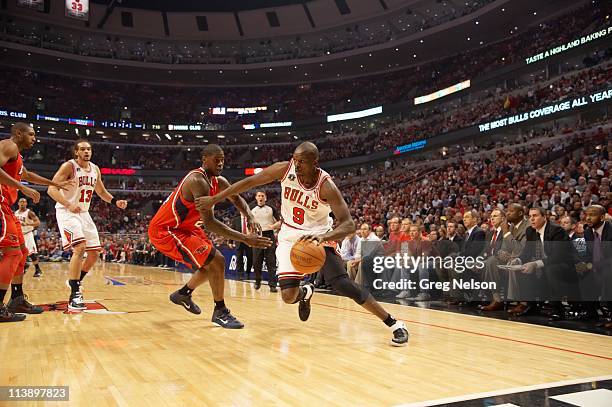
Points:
[(10, 228), (190, 247)]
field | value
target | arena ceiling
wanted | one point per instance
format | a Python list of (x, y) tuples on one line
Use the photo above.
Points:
[(495, 22)]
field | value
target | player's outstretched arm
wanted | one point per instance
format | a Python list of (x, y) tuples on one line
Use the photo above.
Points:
[(332, 195), (241, 205), (40, 180), (107, 196), (8, 151), (272, 173), (196, 187)]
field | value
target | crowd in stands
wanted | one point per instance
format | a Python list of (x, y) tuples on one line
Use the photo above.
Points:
[(562, 172), (430, 191), (25, 90), (388, 132)]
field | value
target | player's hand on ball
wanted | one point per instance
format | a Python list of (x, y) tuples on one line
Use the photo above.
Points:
[(121, 204), (31, 193), (204, 203), (316, 239), (257, 241)]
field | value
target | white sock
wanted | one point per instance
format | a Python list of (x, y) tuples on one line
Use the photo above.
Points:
[(309, 291)]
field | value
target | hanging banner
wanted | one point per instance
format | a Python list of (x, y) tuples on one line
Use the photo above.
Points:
[(78, 9), (38, 5)]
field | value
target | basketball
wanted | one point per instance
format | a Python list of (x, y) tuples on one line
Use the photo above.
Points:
[(307, 257)]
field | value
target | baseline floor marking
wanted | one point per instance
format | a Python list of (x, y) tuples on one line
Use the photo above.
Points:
[(504, 392)]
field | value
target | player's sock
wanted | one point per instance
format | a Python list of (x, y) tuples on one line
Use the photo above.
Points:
[(220, 304), (37, 267), (2, 295), (74, 287), (389, 321), (16, 290), (83, 274), (186, 290)]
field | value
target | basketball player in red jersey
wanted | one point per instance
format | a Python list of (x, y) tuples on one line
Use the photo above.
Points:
[(13, 253), (308, 197), (173, 232)]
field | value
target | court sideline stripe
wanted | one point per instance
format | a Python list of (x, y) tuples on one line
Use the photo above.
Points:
[(481, 334)]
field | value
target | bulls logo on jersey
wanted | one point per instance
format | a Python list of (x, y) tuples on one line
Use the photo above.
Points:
[(297, 196), (291, 177), (87, 180)]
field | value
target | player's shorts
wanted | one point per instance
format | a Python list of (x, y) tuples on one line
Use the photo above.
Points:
[(76, 228), (288, 276), (10, 228), (189, 246), (30, 243)]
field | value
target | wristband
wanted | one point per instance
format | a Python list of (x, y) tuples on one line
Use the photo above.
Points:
[(113, 201)]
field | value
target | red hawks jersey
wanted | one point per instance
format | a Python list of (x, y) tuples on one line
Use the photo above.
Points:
[(302, 208), (82, 192), (8, 195), (178, 213)]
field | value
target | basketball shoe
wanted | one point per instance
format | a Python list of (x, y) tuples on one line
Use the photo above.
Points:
[(224, 318), (21, 305), (186, 302), (8, 316), (76, 302), (400, 334), (304, 306)]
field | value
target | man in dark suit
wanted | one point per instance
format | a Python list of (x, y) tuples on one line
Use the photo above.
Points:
[(514, 242), (596, 272), (473, 246), (453, 235), (548, 256), (242, 250), (494, 243), (475, 238)]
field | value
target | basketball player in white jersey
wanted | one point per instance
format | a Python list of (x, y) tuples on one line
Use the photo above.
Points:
[(308, 197), (29, 221), (77, 229)]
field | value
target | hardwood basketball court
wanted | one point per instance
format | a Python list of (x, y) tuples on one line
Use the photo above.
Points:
[(137, 348)]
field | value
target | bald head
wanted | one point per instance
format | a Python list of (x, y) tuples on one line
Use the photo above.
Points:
[(598, 209), (23, 135), (20, 127), (309, 149), (515, 213), (213, 159)]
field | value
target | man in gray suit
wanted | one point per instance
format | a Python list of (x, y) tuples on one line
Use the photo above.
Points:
[(514, 238)]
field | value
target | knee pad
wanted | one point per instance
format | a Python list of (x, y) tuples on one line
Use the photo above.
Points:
[(346, 287), (9, 263)]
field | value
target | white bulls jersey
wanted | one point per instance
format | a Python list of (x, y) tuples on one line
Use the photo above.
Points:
[(81, 193), (301, 207), (22, 217)]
